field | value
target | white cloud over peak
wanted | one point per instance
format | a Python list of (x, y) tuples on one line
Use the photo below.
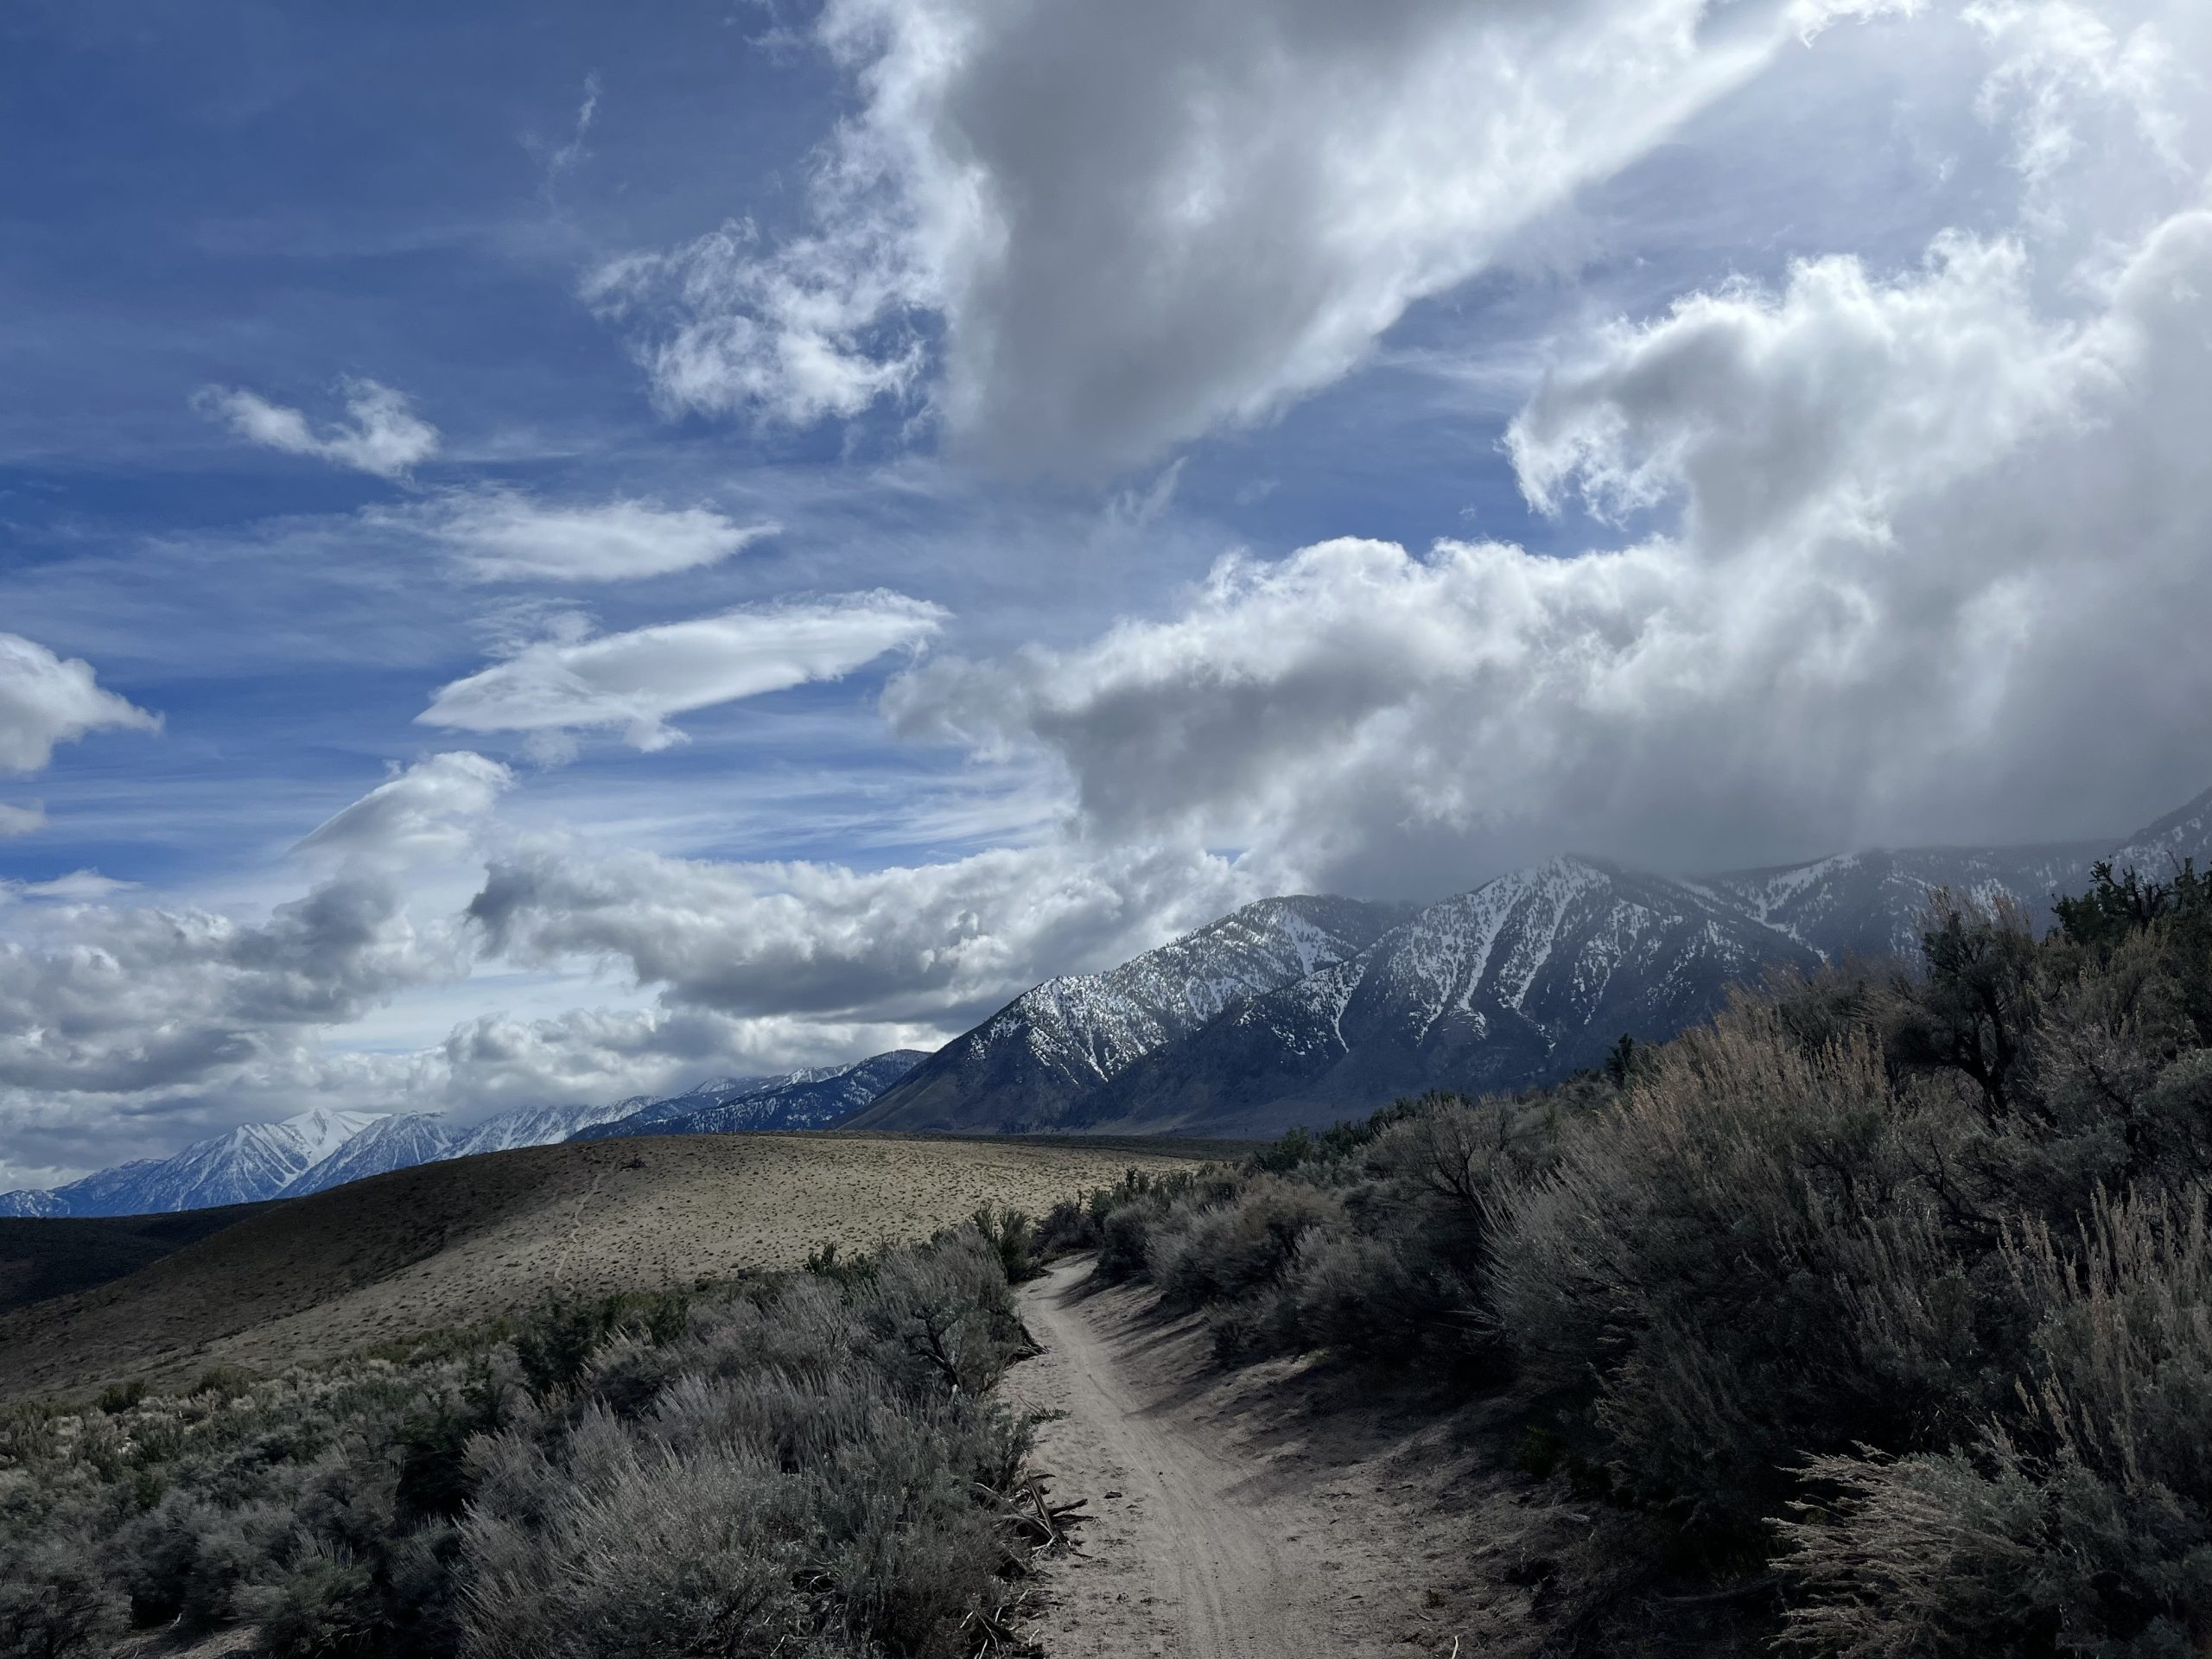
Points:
[(636, 681), (934, 944), (1094, 232), (498, 1060), (381, 435), (497, 535), (46, 700)]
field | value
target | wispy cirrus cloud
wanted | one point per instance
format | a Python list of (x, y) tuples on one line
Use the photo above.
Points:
[(501, 535), (78, 886)]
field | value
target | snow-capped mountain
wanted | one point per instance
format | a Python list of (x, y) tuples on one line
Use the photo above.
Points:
[(818, 1098), (2185, 832), (1869, 904), (1526, 978), (400, 1142), (539, 1126), (641, 1114), (252, 1162), (1289, 1010), (1521, 980), (318, 1150), (1030, 1062)]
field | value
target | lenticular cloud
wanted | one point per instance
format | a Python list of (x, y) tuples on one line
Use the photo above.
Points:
[(635, 681)]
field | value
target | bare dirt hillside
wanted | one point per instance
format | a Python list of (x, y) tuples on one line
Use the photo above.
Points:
[(452, 1243)]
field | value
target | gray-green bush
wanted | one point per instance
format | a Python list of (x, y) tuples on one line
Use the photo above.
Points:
[(809, 1464), (1880, 1308)]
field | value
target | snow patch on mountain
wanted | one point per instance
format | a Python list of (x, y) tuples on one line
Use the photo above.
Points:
[(400, 1142)]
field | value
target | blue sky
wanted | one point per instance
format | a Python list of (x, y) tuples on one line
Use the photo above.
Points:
[(939, 421)]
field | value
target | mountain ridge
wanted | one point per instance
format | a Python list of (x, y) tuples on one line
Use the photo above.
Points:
[(319, 1149), (1299, 1008), (1030, 1061), (1657, 954)]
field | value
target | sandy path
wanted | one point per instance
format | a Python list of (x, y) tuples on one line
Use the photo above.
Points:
[(1216, 1536)]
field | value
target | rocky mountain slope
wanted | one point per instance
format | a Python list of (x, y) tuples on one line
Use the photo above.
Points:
[(253, 1162), (1029, 1063), (1524, 979), (1534, 976)]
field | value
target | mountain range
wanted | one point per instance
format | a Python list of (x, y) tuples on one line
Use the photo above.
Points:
[(319, 1150), (1517, 982), (1302, 1009), (1032, 1063)]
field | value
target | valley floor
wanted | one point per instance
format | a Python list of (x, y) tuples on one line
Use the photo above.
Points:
[(1269, 1510)]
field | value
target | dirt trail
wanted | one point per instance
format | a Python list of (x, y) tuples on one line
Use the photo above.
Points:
[(1228, 1526)]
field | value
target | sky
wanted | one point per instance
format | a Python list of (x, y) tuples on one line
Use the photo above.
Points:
[(551, 553)]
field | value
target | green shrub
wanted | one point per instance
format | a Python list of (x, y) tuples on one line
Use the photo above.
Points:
[(1361, 1297), (646, 1555), (1071, 1225), (1013, 1236), (1124, 1243), (119, 1397), (808, 1465)]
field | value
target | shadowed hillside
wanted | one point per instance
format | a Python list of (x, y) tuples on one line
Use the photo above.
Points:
[(451, 1243), (43, 1258)]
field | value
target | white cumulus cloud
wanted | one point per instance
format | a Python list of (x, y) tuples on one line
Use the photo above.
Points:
[(1092, 231), (381, 434), (943, 942), (1936, 571), (21, 820), (46, 700)]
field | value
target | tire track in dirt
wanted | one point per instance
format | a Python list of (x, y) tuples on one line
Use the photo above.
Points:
[(1205, 1544)]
